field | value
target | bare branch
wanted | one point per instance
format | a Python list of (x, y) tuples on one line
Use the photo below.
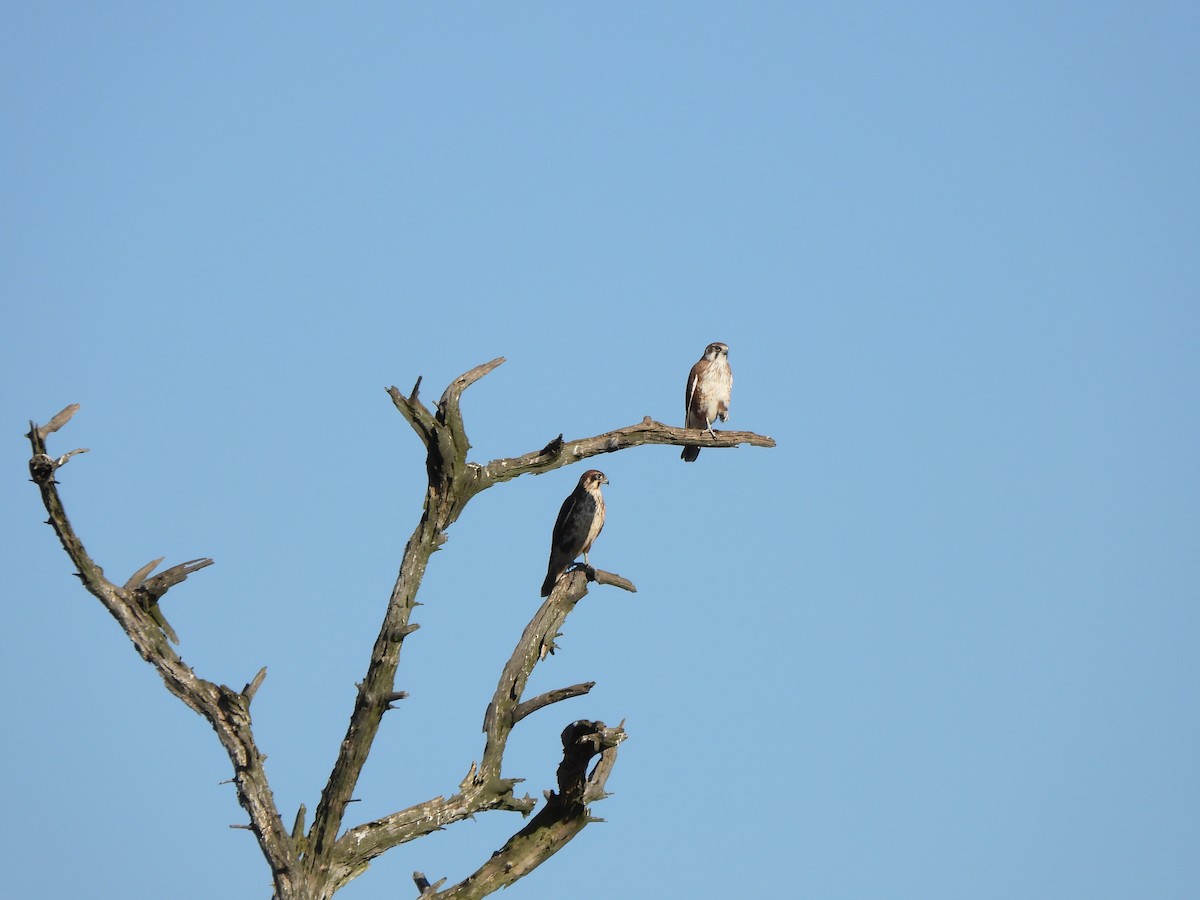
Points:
[(61, 418), (424, 886), (148, 594), (139, 576), (534, 643), (611, 578), (559, 453), (542, 700), (451, 485), (255, 683), (594, 790), (375, 692), (448, 406), (136, 610), (298, 828), (56, 463), (564, 815), (413, 410)]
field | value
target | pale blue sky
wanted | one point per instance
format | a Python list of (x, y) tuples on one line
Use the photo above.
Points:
[(942, 642)]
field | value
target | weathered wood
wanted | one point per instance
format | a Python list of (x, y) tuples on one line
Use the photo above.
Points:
[(563, 816), (559, 453)]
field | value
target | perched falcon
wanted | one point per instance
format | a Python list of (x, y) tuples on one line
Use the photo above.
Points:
[(709, 385), (579, 523)]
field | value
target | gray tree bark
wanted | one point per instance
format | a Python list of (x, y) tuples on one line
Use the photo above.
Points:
[(314, 864)]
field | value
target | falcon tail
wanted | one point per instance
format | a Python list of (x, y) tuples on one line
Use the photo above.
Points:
[(689, 454), (548, 584)]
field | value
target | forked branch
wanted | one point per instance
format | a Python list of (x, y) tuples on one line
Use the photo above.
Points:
[(484, 788), (564, 815)]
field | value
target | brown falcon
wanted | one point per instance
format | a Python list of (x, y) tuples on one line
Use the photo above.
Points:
[(709, 385), (579, 523)]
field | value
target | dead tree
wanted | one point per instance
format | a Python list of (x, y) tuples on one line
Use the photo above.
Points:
[(311, 862)]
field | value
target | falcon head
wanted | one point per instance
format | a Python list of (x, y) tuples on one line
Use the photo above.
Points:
[(715, 349), (592, 479)]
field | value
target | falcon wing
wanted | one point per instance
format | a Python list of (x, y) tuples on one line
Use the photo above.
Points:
[(693, 384), (560, 534)]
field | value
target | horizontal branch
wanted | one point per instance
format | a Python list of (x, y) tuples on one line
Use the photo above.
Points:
[(559, 453), (613, 580), (527, 707)]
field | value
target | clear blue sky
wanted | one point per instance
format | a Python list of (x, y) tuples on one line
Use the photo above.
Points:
[(943, 642)]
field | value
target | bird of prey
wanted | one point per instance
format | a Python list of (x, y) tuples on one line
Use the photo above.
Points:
[(709, 385), (578, 525)]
